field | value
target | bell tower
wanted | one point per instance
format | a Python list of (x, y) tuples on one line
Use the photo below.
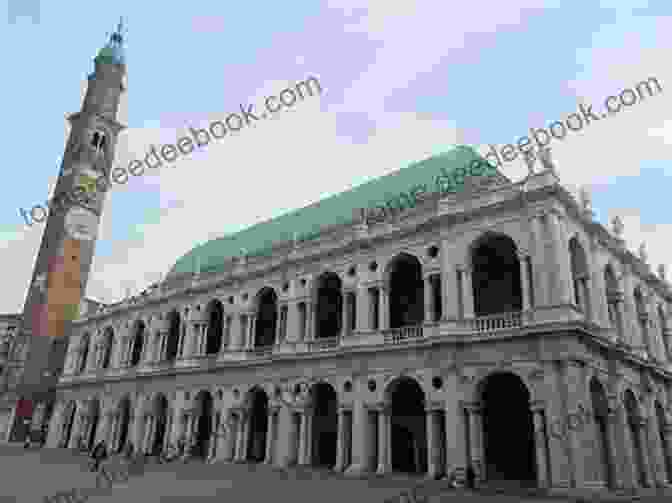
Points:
[(63, 263)]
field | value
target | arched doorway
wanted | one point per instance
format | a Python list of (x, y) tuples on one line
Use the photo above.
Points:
[(161, 415), (94, 419), (256, 445), (325, 424), (69, 420), (634, 420), (215, 327), (600, 405), (267, 318), (173, 342), (407, 299), (660, 420), (580, 275), (138, 340), (204, 428), (496, 275), (124, 423), (508, 429), (329, 306), (408, 426)]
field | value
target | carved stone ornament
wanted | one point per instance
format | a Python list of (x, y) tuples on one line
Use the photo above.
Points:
[(617, 227)]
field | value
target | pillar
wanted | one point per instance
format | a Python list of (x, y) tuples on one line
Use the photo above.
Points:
[(345, 315), (384, 307), (341, 441), (270, 436), (251, 329), (476, 440), (384, 439), (656, 449), (629, 311), (230, 446), (433, 445), (456, 435), (303, 439), (363, 308), (360, 443), (561, 270), (429, 299), (645, 453), (524, 282), (539, 267), (598, 291), (543, 479), (310, 324), (467, 293), (624, 454), (241, 437)]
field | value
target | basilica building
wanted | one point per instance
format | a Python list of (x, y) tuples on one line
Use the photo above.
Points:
[(498, 326)]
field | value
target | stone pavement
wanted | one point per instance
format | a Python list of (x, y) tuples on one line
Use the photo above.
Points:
[(29, 476)]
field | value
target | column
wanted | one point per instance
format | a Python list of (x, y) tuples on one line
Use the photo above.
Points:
[(270, 440), (360, 443), (657, 454), (251, 328), (344, 314), (563, 275), (451, 308), (624, 448), (237, 340), (429, 299), (667, 448), (363, 308), (384, 307), (303, 438), (310, 326), (384, 440), (629, 311), (433, 447), (539, 267), (240, 438), (292, 331), (340, 441), (524, 282), (467, 294), (475, 437), (456, 437), (540, 447), (645, 453), (598, 291), (230, 447), (56, 427), (278, 325)]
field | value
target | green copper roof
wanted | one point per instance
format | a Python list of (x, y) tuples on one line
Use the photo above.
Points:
[(337, 209)]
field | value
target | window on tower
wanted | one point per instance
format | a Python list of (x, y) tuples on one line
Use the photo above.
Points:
[(98, 141)]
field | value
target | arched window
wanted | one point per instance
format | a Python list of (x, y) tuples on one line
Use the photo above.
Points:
[(98, 141), (614, 297), (580, 275)]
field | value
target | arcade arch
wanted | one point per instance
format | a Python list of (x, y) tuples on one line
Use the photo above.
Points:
[(508, 429), (496, 275)]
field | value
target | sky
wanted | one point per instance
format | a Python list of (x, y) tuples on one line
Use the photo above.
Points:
[(401, 81)]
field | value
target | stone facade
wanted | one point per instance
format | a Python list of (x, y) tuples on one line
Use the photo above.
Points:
[(503, 328)]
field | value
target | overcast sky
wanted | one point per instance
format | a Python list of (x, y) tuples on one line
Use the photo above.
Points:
[(401, 80)]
